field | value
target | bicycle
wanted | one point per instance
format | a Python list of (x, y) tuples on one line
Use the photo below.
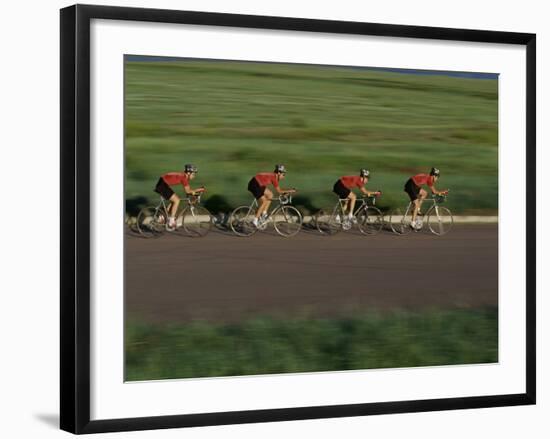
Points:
[(439, 218), (286, 219), (368, 218), (193, 220)]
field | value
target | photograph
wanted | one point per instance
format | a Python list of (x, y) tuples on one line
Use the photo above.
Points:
[(284, 218)]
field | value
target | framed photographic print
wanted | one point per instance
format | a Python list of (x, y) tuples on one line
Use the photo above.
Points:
[(274, 218)]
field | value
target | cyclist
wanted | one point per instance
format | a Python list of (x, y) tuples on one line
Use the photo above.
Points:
[(258, 186), (418, 195), (170, 179), (345, 184)]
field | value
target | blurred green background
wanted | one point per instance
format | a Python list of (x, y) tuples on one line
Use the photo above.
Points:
[(234, 119), (266, 345)]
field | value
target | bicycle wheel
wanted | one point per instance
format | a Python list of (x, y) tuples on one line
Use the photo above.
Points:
[(370, 220), (240, 221), (399, 223), (440, 220), (287, 220), (195, 221), (151, 222), (131, 224), (326, 223)]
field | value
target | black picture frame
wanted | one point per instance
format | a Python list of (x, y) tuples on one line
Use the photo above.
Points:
[(75, 217)]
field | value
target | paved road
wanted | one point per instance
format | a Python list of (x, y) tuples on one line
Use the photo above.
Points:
[(223, 277)]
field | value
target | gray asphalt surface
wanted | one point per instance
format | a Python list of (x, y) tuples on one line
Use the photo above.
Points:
[(226, 278)]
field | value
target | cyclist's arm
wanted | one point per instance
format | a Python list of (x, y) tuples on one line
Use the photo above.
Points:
[(436, 192), (369, 194), (284, 191), (190, 191)]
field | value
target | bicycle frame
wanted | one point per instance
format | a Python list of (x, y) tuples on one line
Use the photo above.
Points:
[(163, 205), (281, 201), (191, 200), (434, 203), (242, 217), (363, 202)]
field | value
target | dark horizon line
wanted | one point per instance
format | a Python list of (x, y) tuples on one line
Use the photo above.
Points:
[(451, 73)]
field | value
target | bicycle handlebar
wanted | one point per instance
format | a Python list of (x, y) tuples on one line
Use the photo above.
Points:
[(439, 198), (372, 197), (195, 198), (285, 198)]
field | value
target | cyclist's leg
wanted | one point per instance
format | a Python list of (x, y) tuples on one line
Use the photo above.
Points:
[(166, 192), (174, 203), (264, 201), (422, 194), (352, 198), (343, 193), (413, 191), (343, 208), (259, 193)]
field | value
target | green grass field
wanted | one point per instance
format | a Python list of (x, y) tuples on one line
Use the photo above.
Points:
[(233, 119), (267, 345)]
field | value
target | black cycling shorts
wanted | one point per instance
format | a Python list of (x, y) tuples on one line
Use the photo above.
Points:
[(255, 188), (412, 189), (340, 190), (164, 189)]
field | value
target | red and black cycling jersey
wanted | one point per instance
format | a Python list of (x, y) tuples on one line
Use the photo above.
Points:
[(173, 178), (421, 179), (351, 181), (265, 178)]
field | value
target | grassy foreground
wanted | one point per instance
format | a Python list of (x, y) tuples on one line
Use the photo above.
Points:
[(234, 119), (267, 346)]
